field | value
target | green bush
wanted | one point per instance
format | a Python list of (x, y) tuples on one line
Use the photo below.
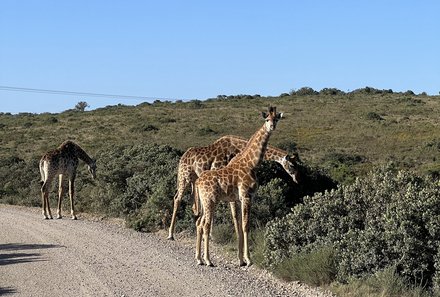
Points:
[(304, 91), (388, 218), (314, 268), (374, 116), (136, 182), (223, 233), (340, 166), (383, 283), (19, 181), (331, 91), (270, 202)]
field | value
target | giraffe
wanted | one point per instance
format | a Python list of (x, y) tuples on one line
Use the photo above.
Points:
[(62, 161), (215, 156), (236, 183)]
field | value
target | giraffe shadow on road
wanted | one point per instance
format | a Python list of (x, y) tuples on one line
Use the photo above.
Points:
[(7, 291), (15, 253)]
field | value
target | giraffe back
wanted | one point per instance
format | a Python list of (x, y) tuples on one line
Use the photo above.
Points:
[(58, 161)]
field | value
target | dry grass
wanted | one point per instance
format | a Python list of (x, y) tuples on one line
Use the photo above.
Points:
[(407, 132)]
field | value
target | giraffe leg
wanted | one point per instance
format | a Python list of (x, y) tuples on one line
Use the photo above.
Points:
[(60, 195), (207, 220), (71, 193), (49, 213), (45, 198), (238, 231), (245, 208), (44, 195), (182, 184), (177, 200), (199, 231)]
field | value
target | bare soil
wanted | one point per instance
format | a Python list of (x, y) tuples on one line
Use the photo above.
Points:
[(98, 257)]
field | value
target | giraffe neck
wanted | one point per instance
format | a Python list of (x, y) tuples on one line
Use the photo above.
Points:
[(72, 148), (275, 154), (82, 155), (255, 149)]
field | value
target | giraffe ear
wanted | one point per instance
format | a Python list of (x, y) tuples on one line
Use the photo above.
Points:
[(264, 114), (280, 115)]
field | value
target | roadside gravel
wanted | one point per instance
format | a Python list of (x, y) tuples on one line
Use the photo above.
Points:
[(95, 257)]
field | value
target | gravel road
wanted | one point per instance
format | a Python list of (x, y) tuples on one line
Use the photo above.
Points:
[(92, 257)]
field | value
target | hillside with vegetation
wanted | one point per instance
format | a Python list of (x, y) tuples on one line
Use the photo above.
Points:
[(378, 150)]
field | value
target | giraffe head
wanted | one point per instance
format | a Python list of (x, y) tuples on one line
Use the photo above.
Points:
[(289, 164), (272, 118), (92, 168)]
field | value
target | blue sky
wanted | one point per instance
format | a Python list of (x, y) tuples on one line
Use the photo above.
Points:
[(201, 49)]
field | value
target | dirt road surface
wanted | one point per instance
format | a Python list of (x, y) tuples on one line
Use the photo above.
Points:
[(89, 257)]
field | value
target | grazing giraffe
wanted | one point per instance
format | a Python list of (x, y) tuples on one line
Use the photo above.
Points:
[(215, 156), (235, 183), (62, 161)]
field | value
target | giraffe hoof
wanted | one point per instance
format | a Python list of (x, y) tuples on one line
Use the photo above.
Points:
[(242, 264), (199, 262), (74, 218), (171, 238), (209, 264), (59, 217)]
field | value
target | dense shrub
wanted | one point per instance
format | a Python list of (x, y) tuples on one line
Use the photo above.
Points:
[(136, 182), (370, 90), (314, 268), (19, 181), (387, 219), (374, 116), (304, 91), (340, 165), (331, 91)]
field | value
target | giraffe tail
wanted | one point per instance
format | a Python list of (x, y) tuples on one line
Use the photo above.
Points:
[(42, 174), (196, 207)]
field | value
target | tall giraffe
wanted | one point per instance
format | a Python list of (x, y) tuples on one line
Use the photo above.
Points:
[(62, 161), (215, 156), (235, 183)]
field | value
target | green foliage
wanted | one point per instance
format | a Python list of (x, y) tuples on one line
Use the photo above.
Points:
[(195, 104), (388, 218), (386, 282), (223, 233), (257, 246), (288, 145), (304, 91), (331, 91), (316, 267), (19, 181), (270, 202), (370, 90), (137, 182), (206, 131), (374, 116), (340, 166), (148, 127)]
